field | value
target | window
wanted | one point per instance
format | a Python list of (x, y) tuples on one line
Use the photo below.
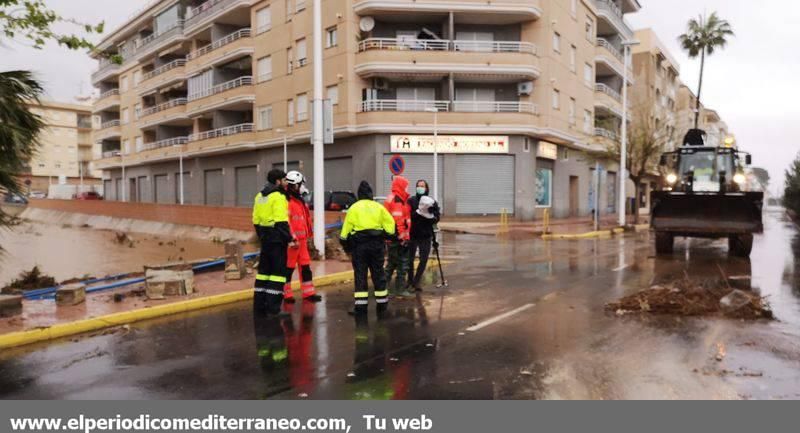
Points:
[(544, 187), (556, 99), (289, 9), (590, 29), (556, 42), (264, 69), (137, 78), (265, 117), (139, 144), (302, 107), (333, 94), (572, 108), (301, 4), (123, 84), (137, 111), (573, 7), (125, 117), (263, 20), (573, 56), (290, 112), (587, 122), (588, 74), (126, 146), (289, 60), (331, 37), (563, 153), (302, 59)]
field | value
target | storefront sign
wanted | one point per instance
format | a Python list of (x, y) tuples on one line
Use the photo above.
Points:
[(547, 150), (449, 144)]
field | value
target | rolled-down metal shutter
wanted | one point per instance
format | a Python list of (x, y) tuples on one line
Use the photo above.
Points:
[(246, 185), (213, 187), (108, 193), (339, 174), (161, 185), (485, 184), (417, 167), (118, 190)]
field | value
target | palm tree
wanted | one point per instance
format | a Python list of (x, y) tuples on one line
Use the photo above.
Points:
[(19, 127), (704, 36)]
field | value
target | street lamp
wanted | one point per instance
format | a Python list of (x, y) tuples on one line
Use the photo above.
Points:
[(435, 112), (180, 170), (285, 152), (317, 135), (623, 171)]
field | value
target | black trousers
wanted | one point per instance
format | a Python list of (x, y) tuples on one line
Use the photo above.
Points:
[(271, 277), (424, 247), (368, 256)]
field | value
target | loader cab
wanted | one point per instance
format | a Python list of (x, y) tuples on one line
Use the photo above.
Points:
[(696, 168)]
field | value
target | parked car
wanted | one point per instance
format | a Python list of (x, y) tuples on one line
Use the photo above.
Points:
[(38, 194), (14, 199), (88, 195), (335, 200)]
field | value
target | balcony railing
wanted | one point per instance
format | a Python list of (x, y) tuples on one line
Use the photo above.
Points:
[(444, 45), (494, 107), (112, 92), (111, 153), (602, 132), (162, 69), (219, 88), (223, 132), (175, 28), (205, 9), (169, 142), (444, 106), (110, 124), (403, 105), (616, 15), (106, 66), (604, 88), (616, 52), (243, 33), (165, 106)]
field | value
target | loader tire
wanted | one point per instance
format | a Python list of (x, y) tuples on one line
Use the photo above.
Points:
[(664, 243), (740, 245)]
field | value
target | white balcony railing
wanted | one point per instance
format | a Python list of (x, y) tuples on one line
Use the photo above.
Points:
[(403, 105), (111, 153), (445, 45), (206, 9), (175, 28), (112, 92), (161, 69), (223, 132), (602, 132), (494, 46), (616, 15), (165, 106), (169, 142), (224, 87), (494, 107), (604, 88), (614, 50), (243, 33), (110, 124), (106, 66)]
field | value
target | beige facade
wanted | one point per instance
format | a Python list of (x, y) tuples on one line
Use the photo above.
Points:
[(657, 83), (230, 76)]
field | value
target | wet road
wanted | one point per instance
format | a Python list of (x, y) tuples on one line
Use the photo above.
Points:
[(522, 319)]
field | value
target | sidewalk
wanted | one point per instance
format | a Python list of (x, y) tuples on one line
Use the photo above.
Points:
[(490, 225)]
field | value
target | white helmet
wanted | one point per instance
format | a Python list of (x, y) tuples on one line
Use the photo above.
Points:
[(294, 177)]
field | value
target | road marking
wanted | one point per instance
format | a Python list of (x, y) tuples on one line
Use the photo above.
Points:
[(496, 319), (621, 268)]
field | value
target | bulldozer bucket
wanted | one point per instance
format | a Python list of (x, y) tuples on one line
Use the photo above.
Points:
[(706, 214)]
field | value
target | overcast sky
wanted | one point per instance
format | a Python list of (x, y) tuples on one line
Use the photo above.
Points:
[(753, 84)]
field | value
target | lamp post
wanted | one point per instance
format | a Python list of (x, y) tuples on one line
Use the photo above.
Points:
[(435, 112), (623, 171), (180, 170), (285, 147), (316, 135)]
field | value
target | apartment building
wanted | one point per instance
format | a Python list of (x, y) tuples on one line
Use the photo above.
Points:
[(514, 91), (66, 148)]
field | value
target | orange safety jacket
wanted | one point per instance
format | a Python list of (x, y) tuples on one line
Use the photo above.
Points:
[(301, 222)]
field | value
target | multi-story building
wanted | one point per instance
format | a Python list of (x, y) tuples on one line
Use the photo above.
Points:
[(655, 92), (513, 90), (66, 148)]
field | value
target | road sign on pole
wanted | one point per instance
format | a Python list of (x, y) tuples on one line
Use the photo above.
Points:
[(397, 165)]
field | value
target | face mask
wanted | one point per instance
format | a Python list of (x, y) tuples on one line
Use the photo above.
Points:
[(420, 191)]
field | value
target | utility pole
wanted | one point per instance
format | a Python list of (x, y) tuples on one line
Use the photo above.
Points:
[(623, 170), (316, 136)]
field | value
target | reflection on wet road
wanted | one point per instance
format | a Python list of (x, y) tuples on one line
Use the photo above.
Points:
[(521, 319)]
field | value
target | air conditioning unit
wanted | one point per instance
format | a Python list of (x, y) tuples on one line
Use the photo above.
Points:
[(380, 84), (525, 88)]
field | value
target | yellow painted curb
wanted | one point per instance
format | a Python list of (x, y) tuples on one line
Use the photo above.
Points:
[(587, 235)]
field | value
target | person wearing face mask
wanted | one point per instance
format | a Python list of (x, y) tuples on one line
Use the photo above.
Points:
[(424, 217)]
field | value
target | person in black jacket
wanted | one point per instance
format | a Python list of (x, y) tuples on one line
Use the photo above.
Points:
[(424, 216)]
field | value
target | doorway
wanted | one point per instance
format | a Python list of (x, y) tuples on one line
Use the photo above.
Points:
[(573, 196), (132, 191)]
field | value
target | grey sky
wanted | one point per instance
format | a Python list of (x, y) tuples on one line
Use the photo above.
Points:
[(753, 83)]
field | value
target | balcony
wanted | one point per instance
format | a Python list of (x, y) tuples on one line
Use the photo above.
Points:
[(170, 111), (505, 12), (236, 44), (607, 90), (106, 101), (169, 142), (605, 133), (163, 107), (495, 107), (244, 133), (404, 105), (604, 46), (610, 12), (152, 43), (211, 10), (106, 70), (111, 153), (232, 94), (401, 114), (448, 106), (395, 44)]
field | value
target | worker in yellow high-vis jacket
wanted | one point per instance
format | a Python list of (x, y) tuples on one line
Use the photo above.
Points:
[(366, 227), (271, 221)]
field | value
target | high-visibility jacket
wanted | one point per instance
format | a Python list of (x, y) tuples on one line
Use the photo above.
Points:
[(367, 215), (271, 215), (397, 205), (301, 222)]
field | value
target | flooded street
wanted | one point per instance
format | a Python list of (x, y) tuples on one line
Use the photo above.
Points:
[(72, 252), (522, 319)]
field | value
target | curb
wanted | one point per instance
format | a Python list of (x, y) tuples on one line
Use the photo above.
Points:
[(587, 235)]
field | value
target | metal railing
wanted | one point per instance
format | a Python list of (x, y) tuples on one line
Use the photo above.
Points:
[(494, 46), (112, 92), (446, 45), (175, 28), (610, 47), (300, 5), (602, 132), (494, 107), (164, 68), (165, 106), (169, 142), (205, 9), (223, 132), (110, 124), (106, 66), (219, 88), (604, 88), (403, 105), (111, 153), (243, 33), (616, 15)]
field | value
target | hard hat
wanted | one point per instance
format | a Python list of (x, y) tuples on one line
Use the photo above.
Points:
[(294, 177)]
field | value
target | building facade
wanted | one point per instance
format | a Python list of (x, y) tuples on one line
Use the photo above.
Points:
[(66, 148), (518, 93)]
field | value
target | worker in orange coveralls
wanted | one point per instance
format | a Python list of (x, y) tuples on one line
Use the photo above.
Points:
[(300, 225)]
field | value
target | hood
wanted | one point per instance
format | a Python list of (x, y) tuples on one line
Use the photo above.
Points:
[(364, 191), (400, 187), (269, 188)]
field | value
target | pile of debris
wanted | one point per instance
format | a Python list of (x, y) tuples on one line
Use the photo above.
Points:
[(29, 280), (684, 297)]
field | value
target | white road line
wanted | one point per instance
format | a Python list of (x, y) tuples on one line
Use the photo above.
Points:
[(620, 268), (496, 319)]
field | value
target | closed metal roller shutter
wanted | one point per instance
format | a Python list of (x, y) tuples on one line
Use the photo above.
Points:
[(118, 190), (485, 184), (339, 175), (108, 193), (246, 185), (213, 187), (417, 167), (161, 185), (143, 186)]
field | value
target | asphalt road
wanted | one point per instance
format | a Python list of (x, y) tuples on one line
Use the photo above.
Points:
[(521, 319)]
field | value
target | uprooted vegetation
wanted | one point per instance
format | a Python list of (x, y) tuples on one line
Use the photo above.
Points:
[(29, 280), (687, 297)]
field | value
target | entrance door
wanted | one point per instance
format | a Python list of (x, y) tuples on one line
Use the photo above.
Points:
[(132, 191), (573, 196)]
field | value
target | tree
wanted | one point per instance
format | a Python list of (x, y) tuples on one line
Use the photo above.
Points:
[(703, 37), (791, 192)]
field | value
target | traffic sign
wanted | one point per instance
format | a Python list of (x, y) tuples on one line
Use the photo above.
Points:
[(397, 165)]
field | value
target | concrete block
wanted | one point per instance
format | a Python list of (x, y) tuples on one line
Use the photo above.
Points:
[(235, 268), (71, 294), (161, 283), (10, 305)]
